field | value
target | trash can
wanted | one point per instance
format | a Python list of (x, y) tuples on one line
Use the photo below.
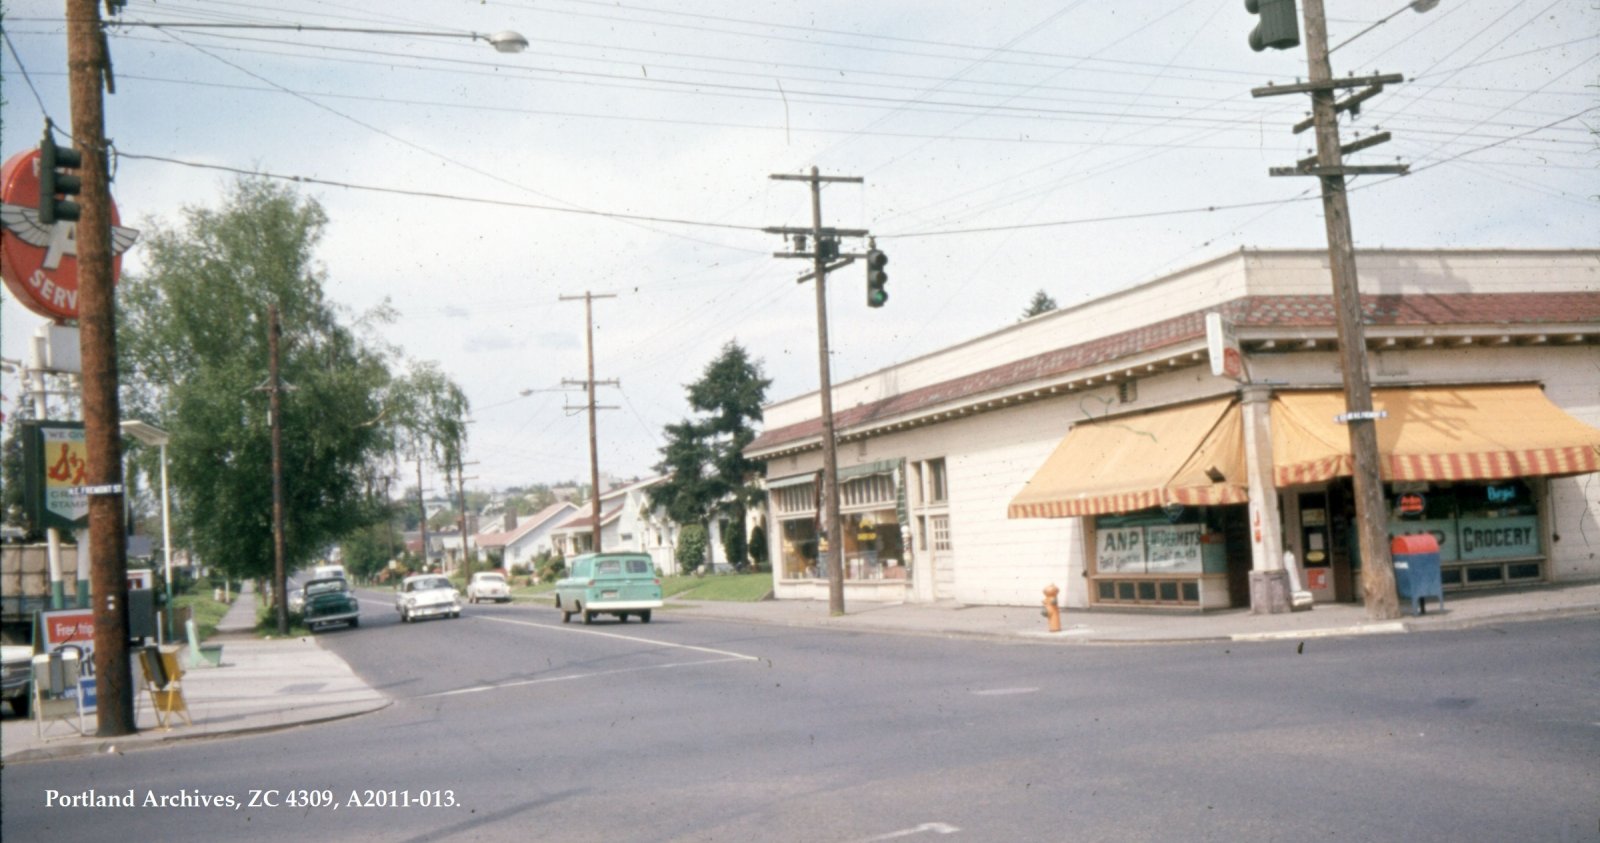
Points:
[(1416, 570)]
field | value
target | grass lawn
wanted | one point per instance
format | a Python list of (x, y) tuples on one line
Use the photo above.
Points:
[(736, 588)]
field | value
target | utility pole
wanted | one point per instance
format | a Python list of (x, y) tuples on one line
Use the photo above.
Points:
[(594, 441), (461, 493), (88, 67), (275, 405), (825, 247), (422, 510), (1377, 567)]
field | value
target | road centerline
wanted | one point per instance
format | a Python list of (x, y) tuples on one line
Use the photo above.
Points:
[(553, 628)]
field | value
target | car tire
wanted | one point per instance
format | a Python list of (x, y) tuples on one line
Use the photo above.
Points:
[(404, 618), (566, 617), (622, 617), (588, 617), (19, 705), (644, 617), (355, 622)]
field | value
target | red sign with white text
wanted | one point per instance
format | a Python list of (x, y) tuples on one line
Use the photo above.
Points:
[(39, 262)]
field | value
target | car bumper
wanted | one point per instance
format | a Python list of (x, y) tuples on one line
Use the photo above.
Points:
[(433, 610), (339, 617), (621, 605)]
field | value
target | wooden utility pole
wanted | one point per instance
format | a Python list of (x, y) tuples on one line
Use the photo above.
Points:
[(461, 495), (594, 439), (1372, 519), (824, 247), (280, 578), (88, 67), (422, 510)]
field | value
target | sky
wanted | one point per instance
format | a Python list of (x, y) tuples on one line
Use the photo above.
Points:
[(1074, 147)]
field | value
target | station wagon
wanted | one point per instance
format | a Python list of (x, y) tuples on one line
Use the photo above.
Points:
[(619, 584)]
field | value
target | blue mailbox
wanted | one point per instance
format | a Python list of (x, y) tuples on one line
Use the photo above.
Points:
[(1416, 570)]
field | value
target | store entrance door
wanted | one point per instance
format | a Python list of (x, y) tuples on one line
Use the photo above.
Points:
[(1236, 539)]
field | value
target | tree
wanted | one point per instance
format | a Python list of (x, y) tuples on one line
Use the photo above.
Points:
[(193, 343), (691, 548), (1042, 303), (704, 457)]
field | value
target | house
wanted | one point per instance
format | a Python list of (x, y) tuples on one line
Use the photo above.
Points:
[(525, 537), (629, 522), (1097, 447)]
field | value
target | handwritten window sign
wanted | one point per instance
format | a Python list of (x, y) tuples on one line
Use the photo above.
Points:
[(1121, 550), (1172, 548)]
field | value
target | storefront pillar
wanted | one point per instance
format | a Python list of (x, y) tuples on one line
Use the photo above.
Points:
[(1269, 582)]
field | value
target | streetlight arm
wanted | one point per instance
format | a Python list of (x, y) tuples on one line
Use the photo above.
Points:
[(505, 41)]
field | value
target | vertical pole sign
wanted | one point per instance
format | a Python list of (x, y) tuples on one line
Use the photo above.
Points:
[(1222, 344)]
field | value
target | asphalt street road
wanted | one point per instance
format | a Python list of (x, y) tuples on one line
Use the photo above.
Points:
[(691, 729)]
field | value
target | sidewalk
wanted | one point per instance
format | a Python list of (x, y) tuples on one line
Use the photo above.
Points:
[(262, 685), (1026, 623), (272, 684)]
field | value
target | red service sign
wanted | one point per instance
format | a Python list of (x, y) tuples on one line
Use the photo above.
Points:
[(39, 262)]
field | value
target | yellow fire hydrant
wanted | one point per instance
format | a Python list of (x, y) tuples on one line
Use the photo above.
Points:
[(1051, 611)]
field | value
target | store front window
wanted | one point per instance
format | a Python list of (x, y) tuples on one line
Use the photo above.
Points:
[(873, 545), (1156, 556), (1488, 533)]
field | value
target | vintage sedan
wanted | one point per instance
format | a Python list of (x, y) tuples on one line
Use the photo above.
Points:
[(427, 596), (488, 585), (619, 584), (18, 665), (330, 601)]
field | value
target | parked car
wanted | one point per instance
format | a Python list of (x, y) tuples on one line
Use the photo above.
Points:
[(18, 672), (297, 601), (330, 601), (324, 571), (488, 585), (619, 584), (425, 596)]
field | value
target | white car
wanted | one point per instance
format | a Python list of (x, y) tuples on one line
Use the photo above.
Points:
[(427, 596), (297, 601), (488, 585)]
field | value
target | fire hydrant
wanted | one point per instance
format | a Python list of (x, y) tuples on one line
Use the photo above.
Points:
[(1052, 612)]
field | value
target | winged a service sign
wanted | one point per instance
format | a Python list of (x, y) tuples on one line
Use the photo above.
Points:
[(39, 262)]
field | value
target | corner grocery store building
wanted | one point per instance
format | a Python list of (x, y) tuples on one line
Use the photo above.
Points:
[(1092, 447)]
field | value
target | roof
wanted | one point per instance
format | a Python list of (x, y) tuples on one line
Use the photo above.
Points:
[(1259, 313), (584, 519), (524, 526)]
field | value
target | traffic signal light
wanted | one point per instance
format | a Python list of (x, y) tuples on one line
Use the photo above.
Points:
[(52, 181), (876, 278), (1279, 27)]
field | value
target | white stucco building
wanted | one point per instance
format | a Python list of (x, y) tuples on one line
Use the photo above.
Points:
[(1093, 448)]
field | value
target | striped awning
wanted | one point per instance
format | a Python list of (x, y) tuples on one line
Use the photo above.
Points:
[(1191, 454), (1434, 433)]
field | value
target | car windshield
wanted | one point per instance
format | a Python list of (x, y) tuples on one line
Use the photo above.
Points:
[(430, 583), (324, 587), (492, 579)]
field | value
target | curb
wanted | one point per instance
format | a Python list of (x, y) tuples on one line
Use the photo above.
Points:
[(156, 738)]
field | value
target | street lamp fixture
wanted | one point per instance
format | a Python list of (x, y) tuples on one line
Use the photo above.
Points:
[(504, 41)]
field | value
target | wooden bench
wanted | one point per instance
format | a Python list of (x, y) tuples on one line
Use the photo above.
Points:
[(201, 655)]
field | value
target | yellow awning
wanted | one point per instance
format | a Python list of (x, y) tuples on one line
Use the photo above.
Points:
[(1127, 463), (1435, 433)]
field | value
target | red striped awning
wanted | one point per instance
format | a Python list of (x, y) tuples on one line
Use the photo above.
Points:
[(1127, 463), (1434, 433)]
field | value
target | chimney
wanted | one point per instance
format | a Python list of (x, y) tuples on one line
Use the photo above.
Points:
[(510, 521)]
